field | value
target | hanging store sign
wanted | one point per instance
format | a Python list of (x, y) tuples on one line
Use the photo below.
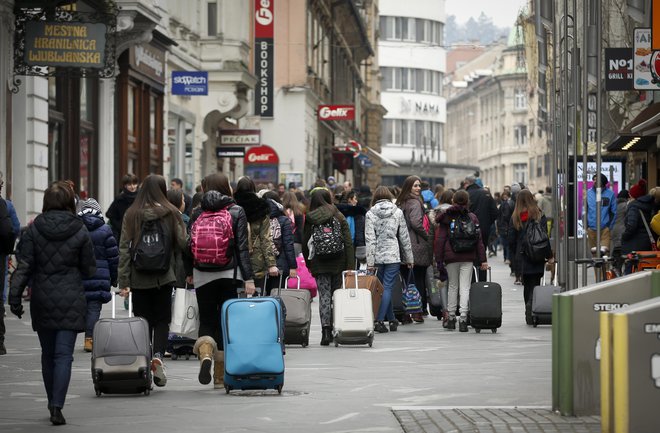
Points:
[(336, 112), (262, 164), (619, 67), (149, 60), (74, 45), (261, 155), (645, 62), (240, 137), (230, 152), (64, 42), (264, 56), (190, 83)]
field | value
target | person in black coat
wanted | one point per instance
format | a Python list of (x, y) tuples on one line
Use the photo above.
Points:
[(482, 204), (286, 254), (635, 237), (56, 253), (356, 218), (532, 271), (7, 240), (106, 252), (121, 204)]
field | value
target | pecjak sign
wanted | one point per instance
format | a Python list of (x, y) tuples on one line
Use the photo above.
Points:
[(59, 41)]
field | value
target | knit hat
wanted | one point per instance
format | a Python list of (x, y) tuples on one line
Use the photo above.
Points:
[(638, 189), (89, 206), (515, 188)]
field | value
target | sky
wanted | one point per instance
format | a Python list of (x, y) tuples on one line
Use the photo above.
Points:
[(503, 12)]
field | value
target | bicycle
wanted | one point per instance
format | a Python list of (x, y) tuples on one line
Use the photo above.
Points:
[(604, 265)]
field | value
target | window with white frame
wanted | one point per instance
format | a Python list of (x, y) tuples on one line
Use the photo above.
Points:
[(520, 99), (520, 135), (520, 173)]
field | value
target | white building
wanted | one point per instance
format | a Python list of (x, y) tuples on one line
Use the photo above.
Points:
[(412, 64)]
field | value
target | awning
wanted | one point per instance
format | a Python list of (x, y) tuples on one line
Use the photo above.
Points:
[(640, 134), (387, 161)]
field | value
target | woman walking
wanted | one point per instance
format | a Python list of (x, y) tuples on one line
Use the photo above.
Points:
[(327, 269), (152, 235), (386, 239), (457, 263), (216, 284), (525, 213), (421, 239), (55, 253)]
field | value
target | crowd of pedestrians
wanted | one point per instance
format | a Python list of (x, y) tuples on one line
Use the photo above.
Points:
[(70, 257)]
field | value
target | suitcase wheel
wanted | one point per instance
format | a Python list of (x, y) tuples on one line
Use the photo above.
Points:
[(187, 356), (98, 392), (493, 330), (477, 330), (279, 389), (174, 356), (305, 343), (147, 391), (336, 344)]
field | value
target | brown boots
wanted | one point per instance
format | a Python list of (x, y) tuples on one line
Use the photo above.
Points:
[(219, 370), (88, 344), (205, 348)]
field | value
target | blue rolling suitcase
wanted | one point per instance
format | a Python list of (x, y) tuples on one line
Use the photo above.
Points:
[(252, 330)]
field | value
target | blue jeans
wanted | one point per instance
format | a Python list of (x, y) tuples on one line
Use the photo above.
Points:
[(387, 273), (93, 314), (56, 359)]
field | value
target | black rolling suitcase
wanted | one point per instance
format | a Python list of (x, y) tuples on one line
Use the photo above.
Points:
[(485, 305), (397, 301), (121, 355)]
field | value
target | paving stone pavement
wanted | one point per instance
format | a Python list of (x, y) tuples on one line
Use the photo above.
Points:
[(491, 420)]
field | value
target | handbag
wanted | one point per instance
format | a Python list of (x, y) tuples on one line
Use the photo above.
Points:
[(307, 281), (185, 313), (654, 245), (412, 300)]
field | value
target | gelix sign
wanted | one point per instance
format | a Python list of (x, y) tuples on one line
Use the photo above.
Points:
[(336, 112), (264, 69)]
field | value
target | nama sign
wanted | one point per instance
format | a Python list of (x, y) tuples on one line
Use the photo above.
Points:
[(261, 155), (336, 112)]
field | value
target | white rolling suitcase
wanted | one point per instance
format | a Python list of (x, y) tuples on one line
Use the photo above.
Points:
[(353, 317)]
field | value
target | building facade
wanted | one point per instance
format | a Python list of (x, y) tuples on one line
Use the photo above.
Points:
[(487, 115), (412, 64)]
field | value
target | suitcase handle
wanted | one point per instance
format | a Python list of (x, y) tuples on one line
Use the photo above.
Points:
[(286, 282), (130, 304), (344, 274), (476, 274)]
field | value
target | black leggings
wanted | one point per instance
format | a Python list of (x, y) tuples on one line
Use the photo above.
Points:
[(210, 298), (155, 305), (529, 282)]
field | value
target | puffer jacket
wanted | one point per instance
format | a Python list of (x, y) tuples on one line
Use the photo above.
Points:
[(286, 257), (386, 235), (106, 252), (213, 201), (444, 254), (257, 213), (333, 265), (422, 246), (635, 237), (128, 275), (55, 254), (619, 223)]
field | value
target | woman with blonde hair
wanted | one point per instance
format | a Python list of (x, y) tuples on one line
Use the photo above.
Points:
[(524, 213)]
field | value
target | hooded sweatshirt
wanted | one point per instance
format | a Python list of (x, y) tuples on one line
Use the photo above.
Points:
[(334, 265), (387, 235)]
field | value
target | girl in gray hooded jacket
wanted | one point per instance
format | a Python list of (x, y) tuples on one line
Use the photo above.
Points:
[(388, 245)]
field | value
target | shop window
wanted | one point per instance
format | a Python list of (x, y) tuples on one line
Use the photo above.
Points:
[(212, 15)]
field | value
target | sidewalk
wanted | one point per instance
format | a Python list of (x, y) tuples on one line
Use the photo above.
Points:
[(421, 378)]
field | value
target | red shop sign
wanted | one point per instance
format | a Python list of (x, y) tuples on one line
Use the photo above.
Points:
[(336, 112), (261, 155)]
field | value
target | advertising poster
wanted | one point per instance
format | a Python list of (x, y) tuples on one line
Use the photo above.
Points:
[(614, 172), (644, 59)]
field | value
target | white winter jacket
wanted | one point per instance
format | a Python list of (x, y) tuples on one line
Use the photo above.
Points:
[(386, 235)]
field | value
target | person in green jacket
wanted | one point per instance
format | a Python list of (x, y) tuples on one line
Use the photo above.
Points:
[(326, 270), (152, 291)]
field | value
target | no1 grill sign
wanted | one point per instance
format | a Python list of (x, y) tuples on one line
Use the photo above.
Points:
[(619, 66), (264, 56)]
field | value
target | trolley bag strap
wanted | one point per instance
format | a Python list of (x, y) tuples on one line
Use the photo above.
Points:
[(654, 245), (130, 304)]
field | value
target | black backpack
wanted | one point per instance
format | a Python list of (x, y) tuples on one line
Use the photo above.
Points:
[(153, 250), (535, 242), (463, 234), (328, 238)]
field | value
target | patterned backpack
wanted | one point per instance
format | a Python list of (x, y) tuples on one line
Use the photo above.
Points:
[(327, 238), (212, 240)]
